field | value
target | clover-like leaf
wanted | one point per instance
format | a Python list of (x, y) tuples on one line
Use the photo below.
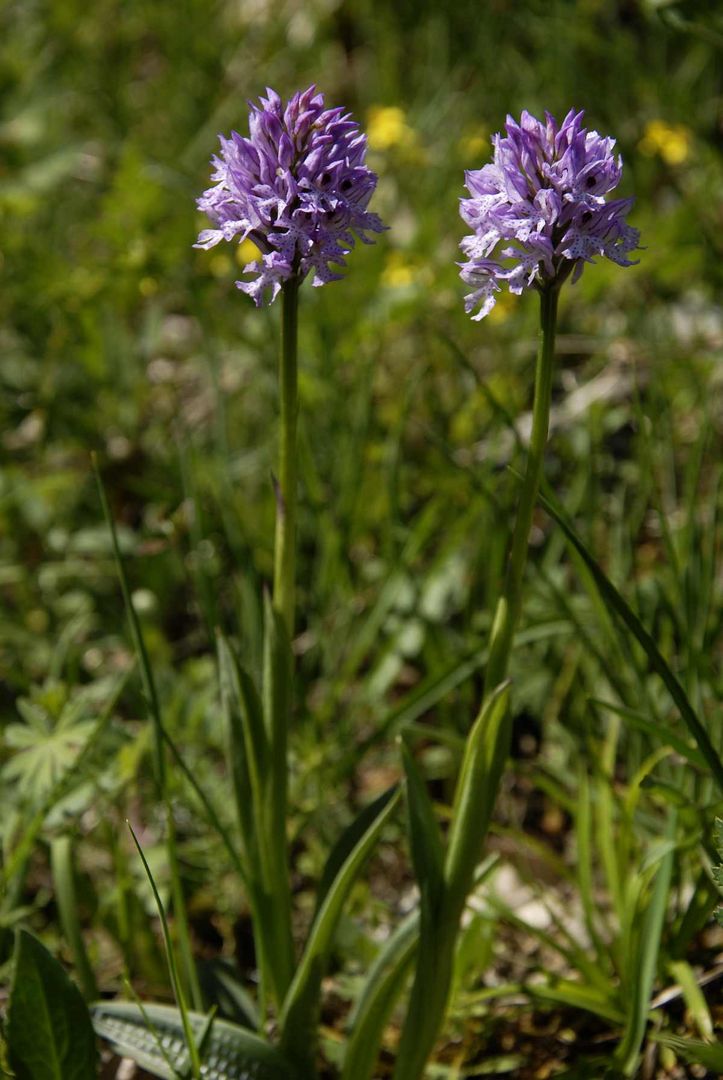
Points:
[(57, 726)]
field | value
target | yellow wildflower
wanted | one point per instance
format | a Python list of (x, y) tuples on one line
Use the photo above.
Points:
[(671, 142), (503, 308), (398, 272), (387, 126), (474, 143), (247, 252)]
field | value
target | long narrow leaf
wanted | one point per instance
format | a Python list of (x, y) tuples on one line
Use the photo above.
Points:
[(475, 794), (298, 1018), (211, 815), (657, 662), (348, 841), (662, 733), (382, 988), (647, 957), (383, 985), (709, 1055), (188, 1032), (246, 748), (61, 861), (425, 840)]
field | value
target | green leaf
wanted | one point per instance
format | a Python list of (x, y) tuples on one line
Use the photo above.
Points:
[(382, 988), (577, 995), (147, 679), (425, 840), (697, 1053), (645, 962), (298, 1017), (347, 842), (222, 986), (693, 996), (16, 859), (256, 748), (475, 794), (383, 985), (178, 993), (57, 728), (229, 1052), (660, 732), (247, 749), (61, 861), (657, 662), (49, 1032)]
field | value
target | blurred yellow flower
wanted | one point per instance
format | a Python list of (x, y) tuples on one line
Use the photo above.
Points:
[(387, 126), (398, 272), (503, 308), (247, 252), (474, 143), (671, 142)]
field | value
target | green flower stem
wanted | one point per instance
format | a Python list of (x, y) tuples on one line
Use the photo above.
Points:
[(278, 675), (277, 702), (486, 752), (285, 541), (509, 604)]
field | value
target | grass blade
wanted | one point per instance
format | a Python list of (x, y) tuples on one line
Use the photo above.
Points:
[(172, 968), (644, 968), (657, 662)]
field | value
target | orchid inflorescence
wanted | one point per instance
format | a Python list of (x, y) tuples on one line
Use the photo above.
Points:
[(544, 198), (298, 186)]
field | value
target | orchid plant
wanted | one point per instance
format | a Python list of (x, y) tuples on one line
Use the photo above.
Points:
[(298, 186)]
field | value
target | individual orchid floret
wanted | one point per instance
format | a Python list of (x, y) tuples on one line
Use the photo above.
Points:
[(298, 187), (538, 212)]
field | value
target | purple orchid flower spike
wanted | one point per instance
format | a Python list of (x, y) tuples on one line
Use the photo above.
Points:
[(298, 187), (543, 199)]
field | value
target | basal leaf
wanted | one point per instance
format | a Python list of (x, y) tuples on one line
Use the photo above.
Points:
[(229, 1052), (298, 1018), (49, 1031)]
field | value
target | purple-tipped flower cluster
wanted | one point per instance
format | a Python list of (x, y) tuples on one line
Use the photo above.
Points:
[(543, 199), (297, 186)]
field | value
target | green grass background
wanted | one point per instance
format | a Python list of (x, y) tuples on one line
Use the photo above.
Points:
[(117, 337)]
